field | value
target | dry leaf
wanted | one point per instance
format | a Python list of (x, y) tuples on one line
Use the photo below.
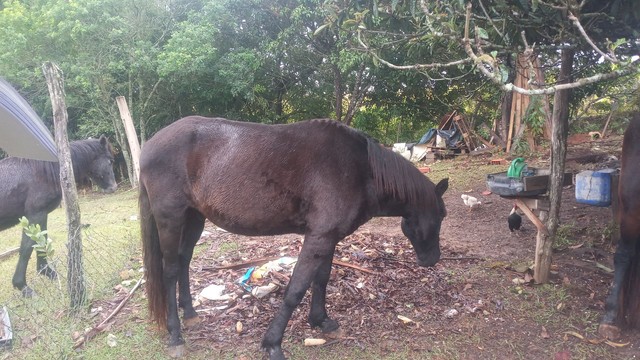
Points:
[(544, 334), (528, 278), (405, 320), (573, 333), (603, 267), (314, 342), (239, 327), (614, 344), (467, 287)]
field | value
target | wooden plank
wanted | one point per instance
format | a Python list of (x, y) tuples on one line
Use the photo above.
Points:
[(542, 181), (132, 137), (531, 216), (511, 116), (539, 203)]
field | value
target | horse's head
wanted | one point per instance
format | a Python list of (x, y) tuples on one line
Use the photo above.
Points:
[(101, 168), (423, 228)]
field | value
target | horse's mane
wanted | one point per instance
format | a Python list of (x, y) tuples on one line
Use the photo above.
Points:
[(394, 175)]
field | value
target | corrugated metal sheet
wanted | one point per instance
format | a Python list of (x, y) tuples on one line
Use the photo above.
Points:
[(22, 133)]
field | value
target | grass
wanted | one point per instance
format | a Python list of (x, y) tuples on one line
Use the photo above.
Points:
[(43, 326), (464, 173)]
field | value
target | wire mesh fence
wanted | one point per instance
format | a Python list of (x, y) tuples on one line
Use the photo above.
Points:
[(45, 325)]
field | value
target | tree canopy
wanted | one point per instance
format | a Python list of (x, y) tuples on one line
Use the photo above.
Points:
[(391, 68)]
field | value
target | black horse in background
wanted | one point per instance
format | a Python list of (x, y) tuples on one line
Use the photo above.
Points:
[(31, 188), (319, 178), (622, 308)]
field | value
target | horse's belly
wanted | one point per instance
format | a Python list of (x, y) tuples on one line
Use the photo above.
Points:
[(254, 218)]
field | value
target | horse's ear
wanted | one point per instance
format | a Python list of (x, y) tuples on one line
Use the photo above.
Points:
[(103, 140), (442, 186)]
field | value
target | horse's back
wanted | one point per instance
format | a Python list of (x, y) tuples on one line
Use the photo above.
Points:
[(255, 178)]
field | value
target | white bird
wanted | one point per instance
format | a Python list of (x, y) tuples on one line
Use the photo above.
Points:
[(470, 201)]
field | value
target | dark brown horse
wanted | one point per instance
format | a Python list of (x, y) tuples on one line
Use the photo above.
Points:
[(622, 307), (318, 178), (31, 188)]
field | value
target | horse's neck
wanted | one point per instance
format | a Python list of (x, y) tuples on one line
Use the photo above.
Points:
[(388, 206)]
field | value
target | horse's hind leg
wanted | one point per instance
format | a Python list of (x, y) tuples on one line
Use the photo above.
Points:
[(190, 235), (169, 231), (622, 261), (316, 252)]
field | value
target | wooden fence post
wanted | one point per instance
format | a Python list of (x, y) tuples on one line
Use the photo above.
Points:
[(75, 270), (132, 138)]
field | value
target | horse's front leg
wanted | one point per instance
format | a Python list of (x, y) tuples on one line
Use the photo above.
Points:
[(318, 313), (19, 280), (622, 260), (315, 252)]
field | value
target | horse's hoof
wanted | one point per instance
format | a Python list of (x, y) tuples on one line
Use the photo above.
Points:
[(28, 293), (329, 326), (176, 351), (609, 331), (335, 334), (191, 322), (48, 272), (275, 353)]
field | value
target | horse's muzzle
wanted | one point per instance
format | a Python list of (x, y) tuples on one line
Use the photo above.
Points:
[(429, 259), (111, 189)]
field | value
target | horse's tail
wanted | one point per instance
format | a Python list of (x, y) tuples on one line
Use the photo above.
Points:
[(156, 293)]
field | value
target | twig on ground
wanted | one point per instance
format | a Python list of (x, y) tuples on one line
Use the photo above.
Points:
[(461, 258), (102, 326), (9, 253), (340, 263), (241, 265)]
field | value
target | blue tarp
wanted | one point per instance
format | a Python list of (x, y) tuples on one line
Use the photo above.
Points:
[(451, 137), (22, 133)]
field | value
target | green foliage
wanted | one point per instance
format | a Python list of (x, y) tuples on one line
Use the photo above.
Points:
[(43, 245), (535, 116)]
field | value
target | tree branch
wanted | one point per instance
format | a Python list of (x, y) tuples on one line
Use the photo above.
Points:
[(609, 57), (494, 77)]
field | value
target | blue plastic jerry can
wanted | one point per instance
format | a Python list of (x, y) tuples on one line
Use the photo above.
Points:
[(594, 187)]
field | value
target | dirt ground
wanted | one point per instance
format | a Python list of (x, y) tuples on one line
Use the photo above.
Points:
[(476, 303)]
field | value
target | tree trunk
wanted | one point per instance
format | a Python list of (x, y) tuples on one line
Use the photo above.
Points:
[(75, 270), (357, 95), (560, 129), (337, 90)]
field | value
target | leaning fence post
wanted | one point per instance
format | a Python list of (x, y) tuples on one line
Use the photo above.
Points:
[(132, 138), (75, 275)]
